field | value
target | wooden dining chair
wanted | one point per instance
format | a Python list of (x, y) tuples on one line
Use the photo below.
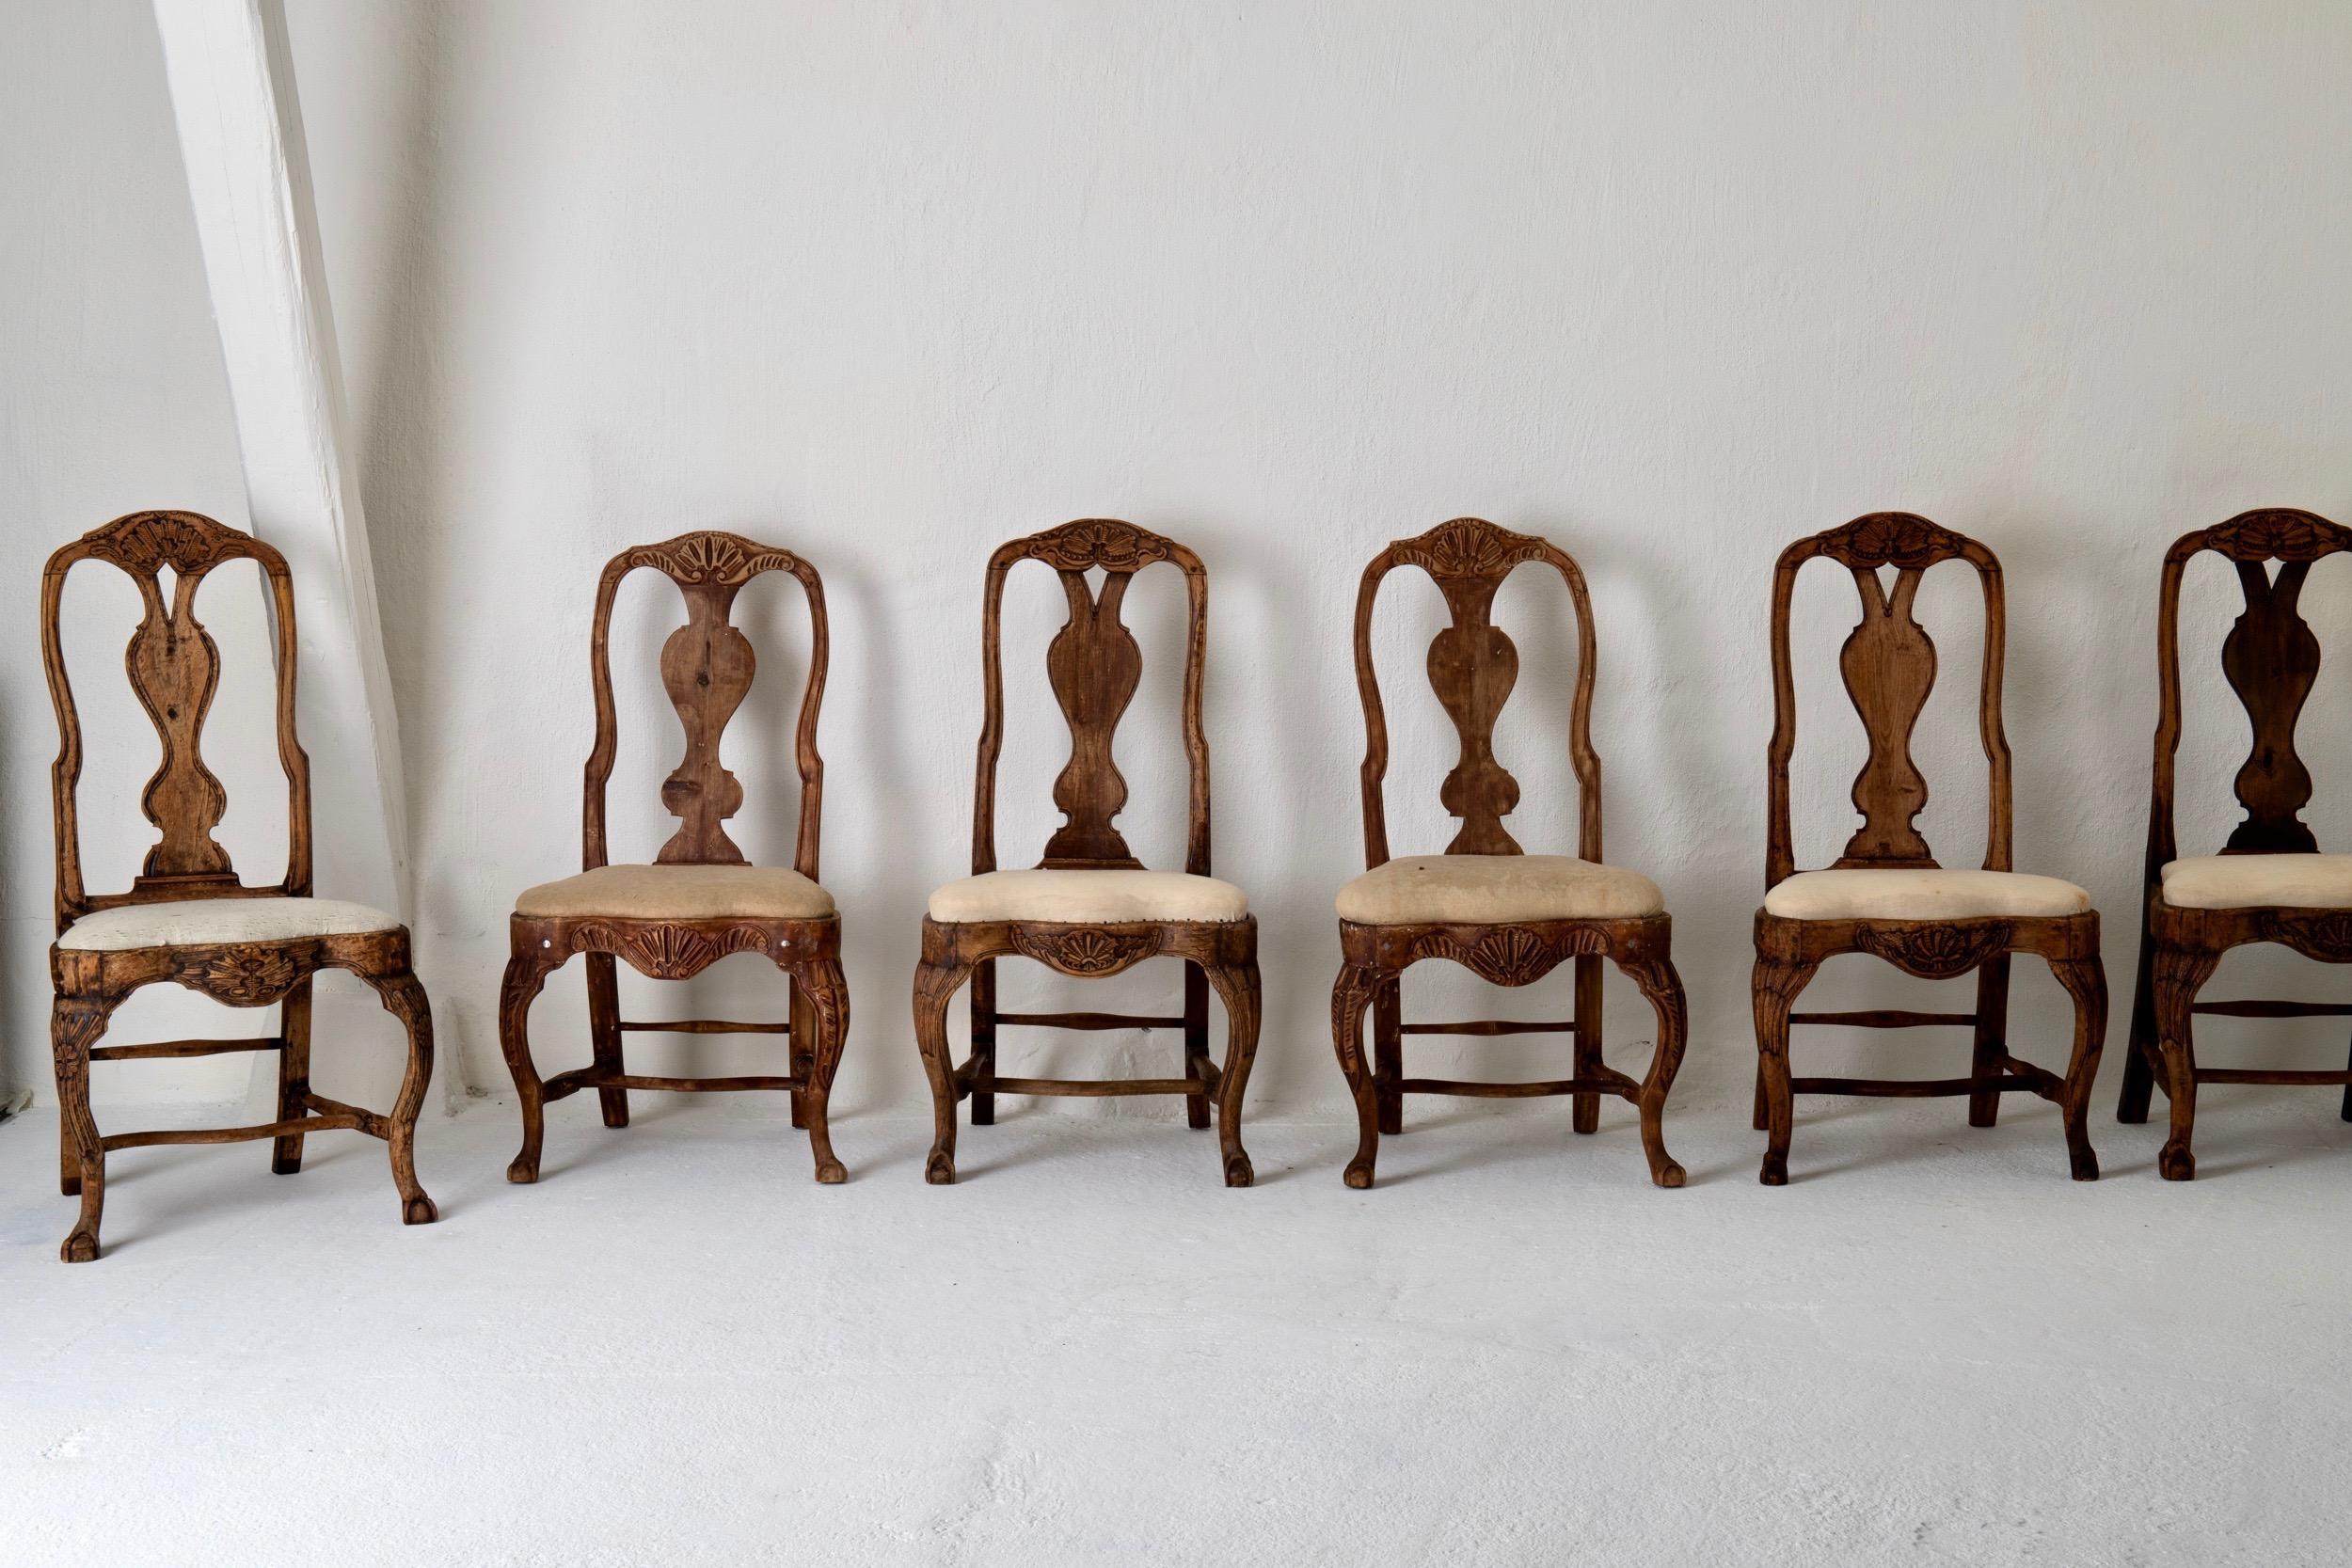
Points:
[(2269, 883), (1887, 895), (186, 918), (1507, 916), (1089, 909), (698, 901)]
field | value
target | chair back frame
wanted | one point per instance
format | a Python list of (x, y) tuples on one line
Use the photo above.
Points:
[(2270, 659), (1889, 666), (706, 669), (174, 669), (1094, 665), (1472, 666)]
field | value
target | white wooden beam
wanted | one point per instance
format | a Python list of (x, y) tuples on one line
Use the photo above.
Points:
[(232, 80), (232, 93)]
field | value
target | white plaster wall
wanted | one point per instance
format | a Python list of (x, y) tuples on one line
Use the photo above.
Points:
[(1671, 284)]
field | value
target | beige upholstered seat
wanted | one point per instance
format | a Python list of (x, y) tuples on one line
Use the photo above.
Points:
[(1865, 893), (1493, 890), (1089, 897), (679, 892), (202, 922), (2254, 882)]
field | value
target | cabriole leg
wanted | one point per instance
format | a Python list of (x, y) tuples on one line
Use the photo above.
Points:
[(2177, 976), (828, 999), (526, 972), (74, 1025), (2085, 981), (935, 986), (404, 999), (1238, 986), (1663, 987), (1351, 994)]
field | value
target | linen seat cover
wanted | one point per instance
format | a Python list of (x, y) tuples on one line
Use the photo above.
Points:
[(1089, 897), (679, 892), (2255, 882), (1889, 893), (204, 922), (1491, 890)]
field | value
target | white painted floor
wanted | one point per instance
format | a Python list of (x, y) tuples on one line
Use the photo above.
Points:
[(1931, 1347)]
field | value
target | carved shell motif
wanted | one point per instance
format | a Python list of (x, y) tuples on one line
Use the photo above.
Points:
[(1508, 954), (2279, 536), (1892, 538), (666, 952), (1466, 548), (2327, 938), (1086, 952), (147, 541), (240, 978), (1105, 541), (727, 559), (1934, 952)]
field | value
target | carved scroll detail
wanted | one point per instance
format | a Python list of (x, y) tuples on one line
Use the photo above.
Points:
[(2327, 938), (666, 952), (146, 542), (1089, 543), (1466, 548), (242, 977), (1900, 539), (2275, 535), (1509, 955), (1084, 953), (728, 560), (1933, 951)]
